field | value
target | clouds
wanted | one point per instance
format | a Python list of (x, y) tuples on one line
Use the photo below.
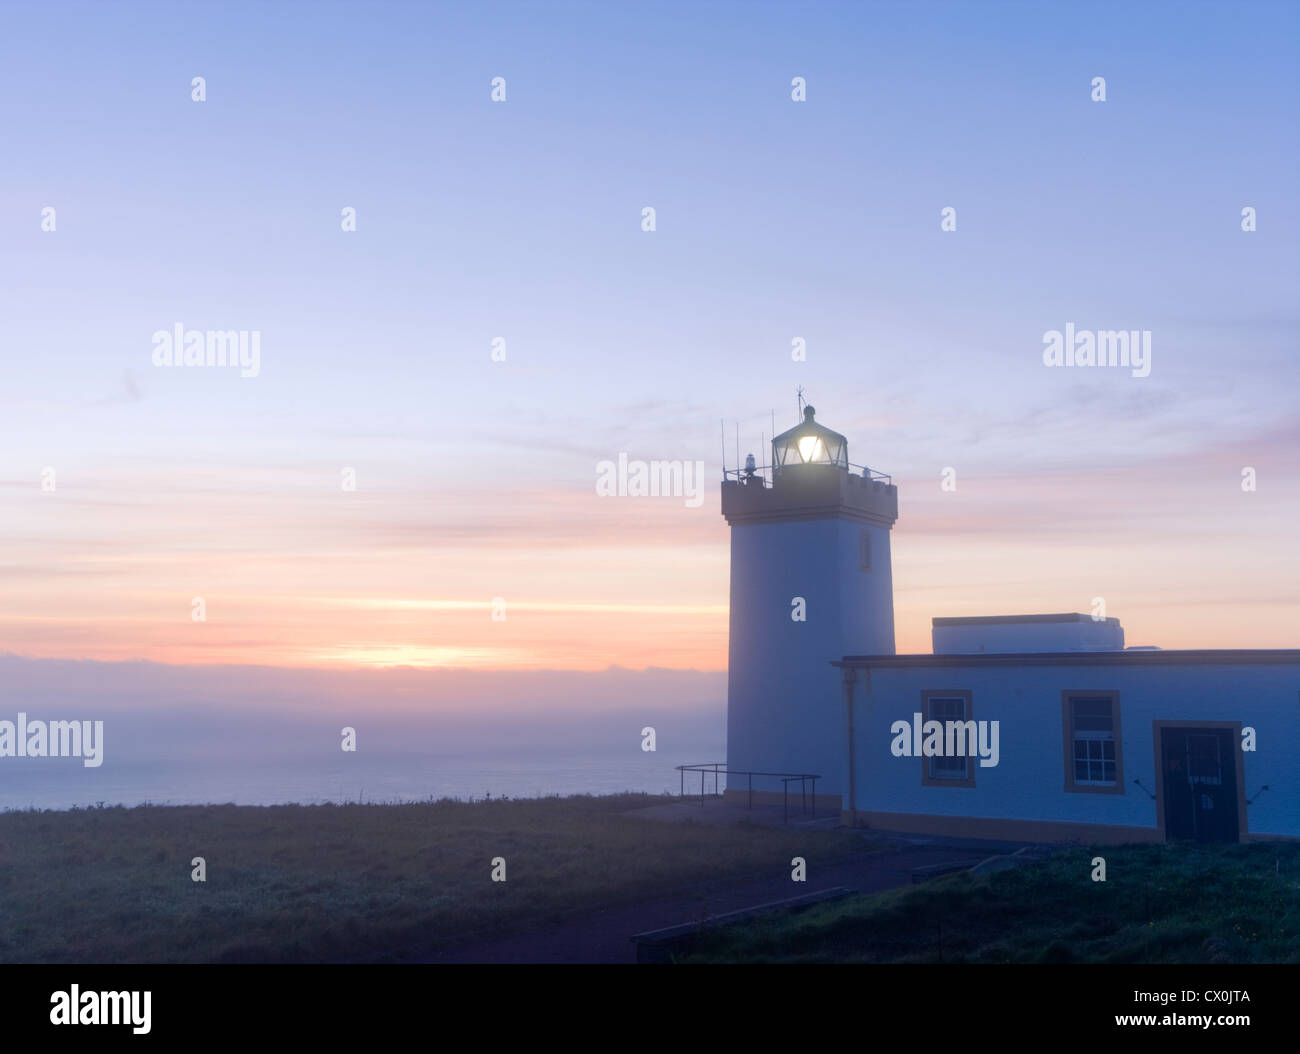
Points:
[(403, 571), (128, 391)]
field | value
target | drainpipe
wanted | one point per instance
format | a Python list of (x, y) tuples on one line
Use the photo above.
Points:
[(850, 676)]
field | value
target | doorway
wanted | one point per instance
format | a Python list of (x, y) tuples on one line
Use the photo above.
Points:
[(1200, 799)]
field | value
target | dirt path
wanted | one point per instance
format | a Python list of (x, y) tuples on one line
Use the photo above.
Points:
[(602, 936)]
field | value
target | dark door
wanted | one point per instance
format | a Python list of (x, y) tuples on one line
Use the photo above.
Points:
[(1200, 783)]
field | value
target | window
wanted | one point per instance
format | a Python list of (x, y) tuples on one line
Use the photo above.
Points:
[(956, 766), (1092, 742), (864, 550), (1204, 760)]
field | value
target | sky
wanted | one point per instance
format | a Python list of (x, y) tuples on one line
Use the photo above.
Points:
[(128, 490)]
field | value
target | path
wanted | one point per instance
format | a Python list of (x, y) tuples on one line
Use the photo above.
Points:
[(602, 936)]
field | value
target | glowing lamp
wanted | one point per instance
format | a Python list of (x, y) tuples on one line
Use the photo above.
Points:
[(809, 444)]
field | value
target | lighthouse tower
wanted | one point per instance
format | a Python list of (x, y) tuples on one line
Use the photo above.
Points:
[(810, 583)]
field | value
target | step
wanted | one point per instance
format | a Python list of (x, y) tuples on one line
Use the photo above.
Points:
[(660, 945)]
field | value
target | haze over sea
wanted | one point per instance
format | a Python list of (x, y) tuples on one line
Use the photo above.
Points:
[(267, 735)]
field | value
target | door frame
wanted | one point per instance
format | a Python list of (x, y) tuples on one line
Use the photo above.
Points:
[(1157, 736)]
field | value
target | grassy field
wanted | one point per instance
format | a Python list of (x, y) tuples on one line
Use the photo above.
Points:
[(347, 882), (1159, 903)]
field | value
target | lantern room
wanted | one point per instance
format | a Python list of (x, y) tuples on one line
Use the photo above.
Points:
[(809, 444)]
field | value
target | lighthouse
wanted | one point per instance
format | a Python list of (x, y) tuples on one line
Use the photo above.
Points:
[(810, 583)]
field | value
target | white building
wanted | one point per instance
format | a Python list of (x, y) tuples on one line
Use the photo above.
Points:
[(1033, 727)]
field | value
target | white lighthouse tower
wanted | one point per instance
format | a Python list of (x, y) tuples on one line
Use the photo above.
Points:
[(810, 583)]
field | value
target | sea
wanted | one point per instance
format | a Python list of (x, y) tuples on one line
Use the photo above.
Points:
[(177, 735), (64, 783)]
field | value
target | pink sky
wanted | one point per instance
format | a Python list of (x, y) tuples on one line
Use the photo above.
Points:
[(296, 574)]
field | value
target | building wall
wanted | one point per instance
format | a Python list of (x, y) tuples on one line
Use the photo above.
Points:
[(1011, 637), (784, 713), (1028, 784)]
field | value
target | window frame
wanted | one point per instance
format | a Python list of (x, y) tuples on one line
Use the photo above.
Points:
[(972, 760), (1067, 737)]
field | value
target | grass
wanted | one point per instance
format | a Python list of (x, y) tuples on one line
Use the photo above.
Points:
[(347, 882), (1173, 902)]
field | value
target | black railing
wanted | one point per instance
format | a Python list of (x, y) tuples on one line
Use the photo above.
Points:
[(718, 768), (766, 473)]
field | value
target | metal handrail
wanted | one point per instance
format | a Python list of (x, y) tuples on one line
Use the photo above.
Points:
[(720, 768), (766, 472)]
